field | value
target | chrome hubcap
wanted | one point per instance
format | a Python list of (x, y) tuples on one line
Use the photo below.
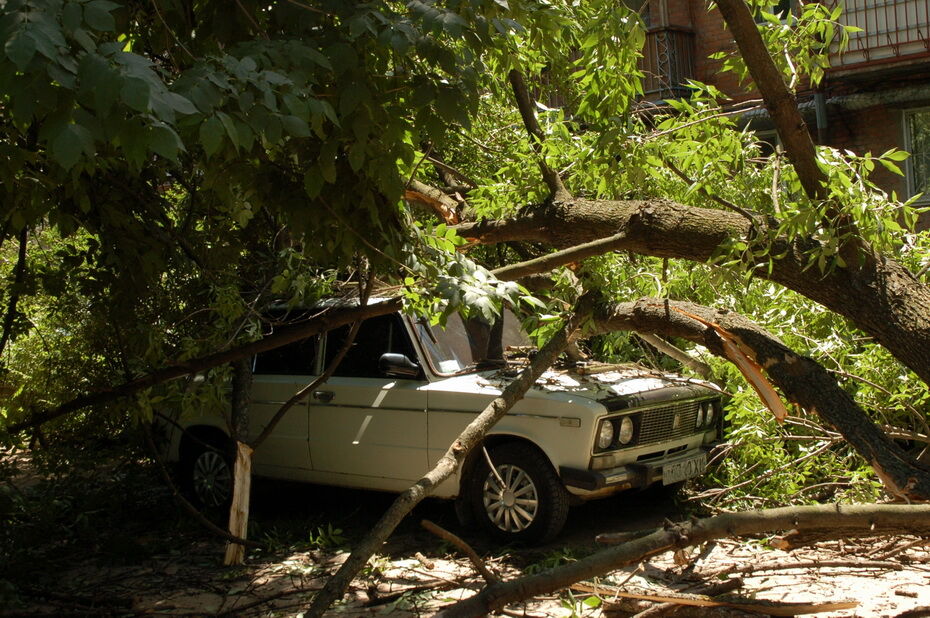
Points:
[(513, 505), (212, 478)]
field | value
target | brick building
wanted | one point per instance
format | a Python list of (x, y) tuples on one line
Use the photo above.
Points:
[(875, 96)]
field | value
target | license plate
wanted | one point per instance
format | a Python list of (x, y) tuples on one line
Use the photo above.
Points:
[(684, 469)]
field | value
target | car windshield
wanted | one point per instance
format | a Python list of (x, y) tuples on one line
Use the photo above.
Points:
[(473, 344)]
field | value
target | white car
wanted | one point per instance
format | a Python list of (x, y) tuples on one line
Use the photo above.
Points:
[(404, 392)]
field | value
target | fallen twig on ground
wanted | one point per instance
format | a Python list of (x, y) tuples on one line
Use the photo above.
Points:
[(746, 569), (465, 548)]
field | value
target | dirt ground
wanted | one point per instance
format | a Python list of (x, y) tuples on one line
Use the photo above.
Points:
[(137, 555)]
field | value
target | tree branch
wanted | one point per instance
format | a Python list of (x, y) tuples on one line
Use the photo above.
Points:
[(842, 519), (557, 190), (663, 346), (464, 547), (780, 102), (326, 375), (327, 320), (184, 502), (551, 261), (880, 296), (801, 379)]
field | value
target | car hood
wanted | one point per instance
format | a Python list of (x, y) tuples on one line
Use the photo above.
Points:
[(615, 386)]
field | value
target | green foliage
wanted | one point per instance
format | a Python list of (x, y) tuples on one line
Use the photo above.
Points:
[(327, 538), (552, 559), (799, 41)]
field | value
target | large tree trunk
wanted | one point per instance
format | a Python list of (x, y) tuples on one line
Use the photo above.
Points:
[(802, 380), (877, 294)]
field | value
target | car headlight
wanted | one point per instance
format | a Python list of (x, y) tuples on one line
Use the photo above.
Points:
[(605, 435), (709, 413), (626, 430), (699, 417)]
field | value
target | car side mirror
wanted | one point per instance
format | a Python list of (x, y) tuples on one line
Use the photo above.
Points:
[(398, 365)]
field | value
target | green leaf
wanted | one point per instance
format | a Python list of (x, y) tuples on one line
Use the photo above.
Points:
[(351, 96), (296, 127), (313, 182), (230, 128), (136, 94), (356, 157), (891, 167), (69, 143), (211, 135), (97, 15), (319, 58), (84, 40), (165, 142), (20, 49), (71, 16), (180, 104), (896, 155)]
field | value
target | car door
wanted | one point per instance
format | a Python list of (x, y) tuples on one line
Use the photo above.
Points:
[(277, 375), (364, 424)]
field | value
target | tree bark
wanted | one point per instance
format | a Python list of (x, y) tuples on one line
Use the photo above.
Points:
[(15, 290), (242, 465), (239, 509), (557, 190), (878, 294), (877, 518), (800, 379), (447, 464)]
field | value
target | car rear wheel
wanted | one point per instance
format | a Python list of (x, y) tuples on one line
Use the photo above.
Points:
[(523, 501)]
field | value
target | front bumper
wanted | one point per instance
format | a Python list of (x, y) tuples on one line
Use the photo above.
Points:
[(634, 475)]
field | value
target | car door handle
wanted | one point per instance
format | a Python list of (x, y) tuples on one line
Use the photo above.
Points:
[(324, 396)]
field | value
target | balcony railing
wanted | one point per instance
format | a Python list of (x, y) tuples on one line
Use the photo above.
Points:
[(668, 62), (892, 30)]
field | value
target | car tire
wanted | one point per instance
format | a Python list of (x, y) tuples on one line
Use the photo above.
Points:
[(531, 505), (207, 471)]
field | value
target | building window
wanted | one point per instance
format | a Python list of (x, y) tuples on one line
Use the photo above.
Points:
[(917, 142)]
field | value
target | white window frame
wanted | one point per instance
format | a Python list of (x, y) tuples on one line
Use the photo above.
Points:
[(909, 173)]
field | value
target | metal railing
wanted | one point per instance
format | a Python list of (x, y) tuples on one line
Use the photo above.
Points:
[(891, 30), (668, 62)]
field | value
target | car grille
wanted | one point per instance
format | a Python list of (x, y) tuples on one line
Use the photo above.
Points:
[(658, 424)]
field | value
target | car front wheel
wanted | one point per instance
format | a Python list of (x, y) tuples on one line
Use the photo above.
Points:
[(522, 501), (208, 475)]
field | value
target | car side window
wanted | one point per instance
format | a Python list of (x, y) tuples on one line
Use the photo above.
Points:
[(376, 336), (298, 358)]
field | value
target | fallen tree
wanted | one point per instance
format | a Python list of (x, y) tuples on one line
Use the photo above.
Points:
[(325, 178)]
